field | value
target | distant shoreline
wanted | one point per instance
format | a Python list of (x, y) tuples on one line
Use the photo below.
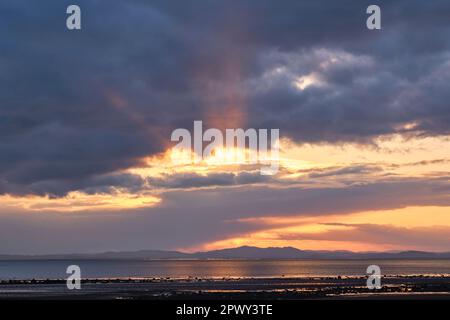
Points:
[(224, 259), (147, 279), (239, 253), (338, 287)]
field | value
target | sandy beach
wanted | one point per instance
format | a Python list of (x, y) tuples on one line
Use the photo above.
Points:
[(393, 287)]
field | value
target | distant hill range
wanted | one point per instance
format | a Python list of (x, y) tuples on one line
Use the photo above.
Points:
[(244, 252)]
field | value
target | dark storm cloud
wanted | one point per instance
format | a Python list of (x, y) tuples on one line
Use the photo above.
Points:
[(193, 180), (354, 173), (107, 183), (77, 105), (356, 169)]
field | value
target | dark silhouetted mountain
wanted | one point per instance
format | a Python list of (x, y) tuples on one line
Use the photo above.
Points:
[(244, 252), (247, 252)]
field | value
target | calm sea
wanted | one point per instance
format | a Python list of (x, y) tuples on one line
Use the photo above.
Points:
[(52, 269)]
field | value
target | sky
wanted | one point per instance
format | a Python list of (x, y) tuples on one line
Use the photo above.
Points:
[(86, 159)]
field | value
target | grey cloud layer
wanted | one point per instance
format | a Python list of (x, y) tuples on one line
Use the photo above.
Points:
[(77, 105), (192, 218)]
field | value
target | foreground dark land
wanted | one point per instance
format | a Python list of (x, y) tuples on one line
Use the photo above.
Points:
[(393, 287)]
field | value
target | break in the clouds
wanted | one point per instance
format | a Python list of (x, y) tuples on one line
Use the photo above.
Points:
[(436, 237), (77, 105)]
